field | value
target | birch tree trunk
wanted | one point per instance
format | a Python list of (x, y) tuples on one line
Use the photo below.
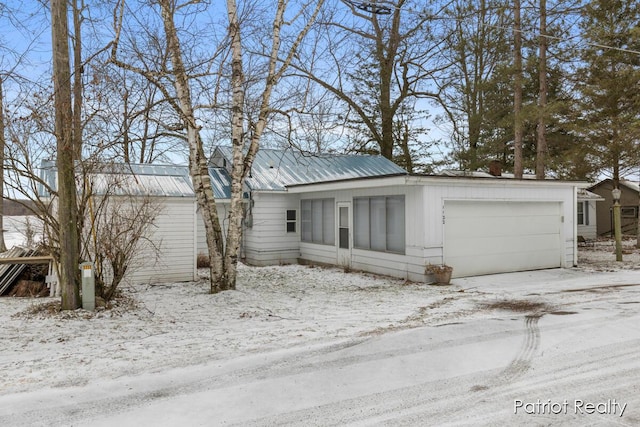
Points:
[(198, 167), (67, 207), (242, 161)]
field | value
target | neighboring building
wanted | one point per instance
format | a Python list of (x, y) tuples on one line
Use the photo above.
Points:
[(365, 213), (629, 200), (587, 214)]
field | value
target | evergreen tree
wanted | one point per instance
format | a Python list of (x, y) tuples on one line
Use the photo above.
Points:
[(608, 83)]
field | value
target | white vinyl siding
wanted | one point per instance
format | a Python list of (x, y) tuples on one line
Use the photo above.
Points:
[(173, 234), (379, 223), (267, 241)]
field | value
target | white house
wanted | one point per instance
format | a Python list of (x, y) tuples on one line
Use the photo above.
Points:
[(365, 213)]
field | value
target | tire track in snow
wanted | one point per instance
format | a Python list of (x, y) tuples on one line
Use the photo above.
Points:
[(522, 362), (397, 402), (443, 402)]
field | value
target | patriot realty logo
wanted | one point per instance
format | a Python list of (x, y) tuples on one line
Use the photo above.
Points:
[(579, 407)]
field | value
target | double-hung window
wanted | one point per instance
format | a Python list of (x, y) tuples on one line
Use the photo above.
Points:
[(379, 223), (583, 213)]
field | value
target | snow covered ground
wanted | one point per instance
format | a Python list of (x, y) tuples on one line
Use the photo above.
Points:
[(299, 345)]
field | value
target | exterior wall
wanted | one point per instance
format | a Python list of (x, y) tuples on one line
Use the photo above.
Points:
[(266, 240), (424, 207), (435, 195), (628, 197), (223, 214), (590, 230), (174, 236), (408, 266)]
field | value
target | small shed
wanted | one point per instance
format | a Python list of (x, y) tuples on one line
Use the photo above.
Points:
[(169, 252), (629, 201)]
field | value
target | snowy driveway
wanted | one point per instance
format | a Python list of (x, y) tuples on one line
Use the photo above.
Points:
[(553, 347)]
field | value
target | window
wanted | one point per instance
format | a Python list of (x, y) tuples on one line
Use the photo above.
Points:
[(318, 221), (292, 215), (583, 213), (629, 212), (379, 223)]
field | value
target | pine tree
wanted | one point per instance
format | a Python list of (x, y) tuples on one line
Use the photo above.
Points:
[(608, 113)]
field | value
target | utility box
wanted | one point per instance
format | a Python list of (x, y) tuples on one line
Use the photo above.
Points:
[(88, 286)]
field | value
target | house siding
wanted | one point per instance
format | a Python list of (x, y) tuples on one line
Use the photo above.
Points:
[(223, 215), (174, 235), (266, 241), (436, 194), (629, 197), (590, 230), (424, 209)]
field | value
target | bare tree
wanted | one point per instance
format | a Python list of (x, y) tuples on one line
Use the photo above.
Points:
[(67, 208), (175, 82), (378, 61), (244, 151), (119, 229)]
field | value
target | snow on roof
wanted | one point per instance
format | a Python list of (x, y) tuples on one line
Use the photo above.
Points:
[(480, 174), (275, 169), (584, 194), (623, 182)]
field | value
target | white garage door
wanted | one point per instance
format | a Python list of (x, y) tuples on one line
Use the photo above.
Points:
[(485, 237)]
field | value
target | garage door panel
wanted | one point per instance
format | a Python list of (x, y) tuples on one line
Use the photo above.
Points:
[(480, 209), (505, 226), (482, 264), (483, 237), (505, 245)]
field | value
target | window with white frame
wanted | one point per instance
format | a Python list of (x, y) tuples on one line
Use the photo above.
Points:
[(379, 223), (318, 221), (629, 211), (583, 213)]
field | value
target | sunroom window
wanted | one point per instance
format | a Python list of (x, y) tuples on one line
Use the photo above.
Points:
[(379, 223)]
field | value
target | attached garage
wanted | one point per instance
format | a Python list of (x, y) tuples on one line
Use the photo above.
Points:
[(493, 236), (476, 225)]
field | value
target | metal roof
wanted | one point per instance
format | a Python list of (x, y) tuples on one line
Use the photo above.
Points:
[(221, 183), (131, 179), (144, 179), (273, 170)]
